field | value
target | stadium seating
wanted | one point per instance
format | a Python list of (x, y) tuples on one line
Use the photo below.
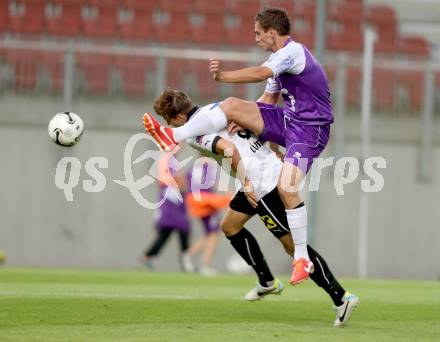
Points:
[(385, 25), (133, 71), (4, 15), (413, 46), (26, 16), (135, 20), (344, 31), (96, 70), (196, 23), (53, 64), (206, 27), (99, 18), (63, 18), (25, 65)]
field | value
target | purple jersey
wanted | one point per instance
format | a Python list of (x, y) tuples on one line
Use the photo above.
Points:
[(172, 212), (302, 82), (203, 175)]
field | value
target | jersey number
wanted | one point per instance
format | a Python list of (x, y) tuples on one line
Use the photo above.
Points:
[(291, 98), (244, 134)]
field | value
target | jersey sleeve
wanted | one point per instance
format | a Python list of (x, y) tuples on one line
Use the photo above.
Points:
[(207, 142), (290, 58), (272, 86)]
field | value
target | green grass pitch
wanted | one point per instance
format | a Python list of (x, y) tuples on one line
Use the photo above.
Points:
[(84, 305)]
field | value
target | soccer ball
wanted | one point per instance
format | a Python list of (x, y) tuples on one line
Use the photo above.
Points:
[(66, 128)]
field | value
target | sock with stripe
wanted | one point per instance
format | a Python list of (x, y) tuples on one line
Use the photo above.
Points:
[(247, 246), (324, 278)]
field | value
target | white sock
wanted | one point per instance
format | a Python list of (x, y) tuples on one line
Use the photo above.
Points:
[(204, 122), (297, 219)]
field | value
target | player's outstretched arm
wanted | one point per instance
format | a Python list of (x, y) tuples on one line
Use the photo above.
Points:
[(246, 75)]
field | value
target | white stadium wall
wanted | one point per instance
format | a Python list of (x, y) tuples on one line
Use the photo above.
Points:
[(109, 229)]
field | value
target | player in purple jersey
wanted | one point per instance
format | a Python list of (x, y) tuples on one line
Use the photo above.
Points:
[(301, 125), (171, 216)]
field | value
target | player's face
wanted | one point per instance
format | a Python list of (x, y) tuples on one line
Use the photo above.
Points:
[(265, 40), (178, 121)]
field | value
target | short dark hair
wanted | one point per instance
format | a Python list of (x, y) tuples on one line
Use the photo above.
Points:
[(275, 18), (172, 102)]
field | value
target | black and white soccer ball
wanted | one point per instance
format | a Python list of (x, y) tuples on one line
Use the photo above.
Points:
[(66, 128)]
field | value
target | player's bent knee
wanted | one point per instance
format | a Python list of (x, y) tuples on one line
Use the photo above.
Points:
[(229, 229), (231, 106)]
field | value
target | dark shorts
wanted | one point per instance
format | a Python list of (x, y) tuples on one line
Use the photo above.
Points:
[(270, 209), (303, 143), (211, 223)]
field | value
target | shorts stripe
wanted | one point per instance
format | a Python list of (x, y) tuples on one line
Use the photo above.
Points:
[(274, 217)]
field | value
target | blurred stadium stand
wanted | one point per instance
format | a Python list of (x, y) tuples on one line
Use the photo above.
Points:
[(222, 24)]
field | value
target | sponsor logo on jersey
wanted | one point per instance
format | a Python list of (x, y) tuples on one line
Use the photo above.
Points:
[(256, 146)]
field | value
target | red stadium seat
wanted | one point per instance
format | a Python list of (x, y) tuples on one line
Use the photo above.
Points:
[(135, 20), (243, 7), (26, 16), (383, 90), (412, 84), (354, 81), (208, 29), (344, 30), (133, 72), (4, 15), (303, 23), (25, 65), (96, 69), (213, 7), (171, 26), (63, 18), (239, 29), (53, 63), (415, 46), (99, 19), (175, 73), (285, 4), (384, 22), (183, 6)]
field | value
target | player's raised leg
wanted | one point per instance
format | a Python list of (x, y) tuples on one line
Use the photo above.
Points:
[(205, 120)]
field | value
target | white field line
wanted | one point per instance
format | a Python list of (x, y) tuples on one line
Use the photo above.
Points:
[(95, 295)]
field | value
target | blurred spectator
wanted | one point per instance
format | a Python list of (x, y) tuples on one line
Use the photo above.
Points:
[(202, 179), (171, 216)]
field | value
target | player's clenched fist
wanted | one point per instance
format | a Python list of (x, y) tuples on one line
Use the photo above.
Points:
[(214, 68)]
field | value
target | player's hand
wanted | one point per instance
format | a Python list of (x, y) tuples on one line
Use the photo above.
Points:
[(234, 127), (214, 68), (249, 192)]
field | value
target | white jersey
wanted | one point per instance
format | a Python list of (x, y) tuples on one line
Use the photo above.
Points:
[(261, 164)]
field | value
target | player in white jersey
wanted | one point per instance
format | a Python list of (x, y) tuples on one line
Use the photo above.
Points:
[(261, 166), (262, 169)]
